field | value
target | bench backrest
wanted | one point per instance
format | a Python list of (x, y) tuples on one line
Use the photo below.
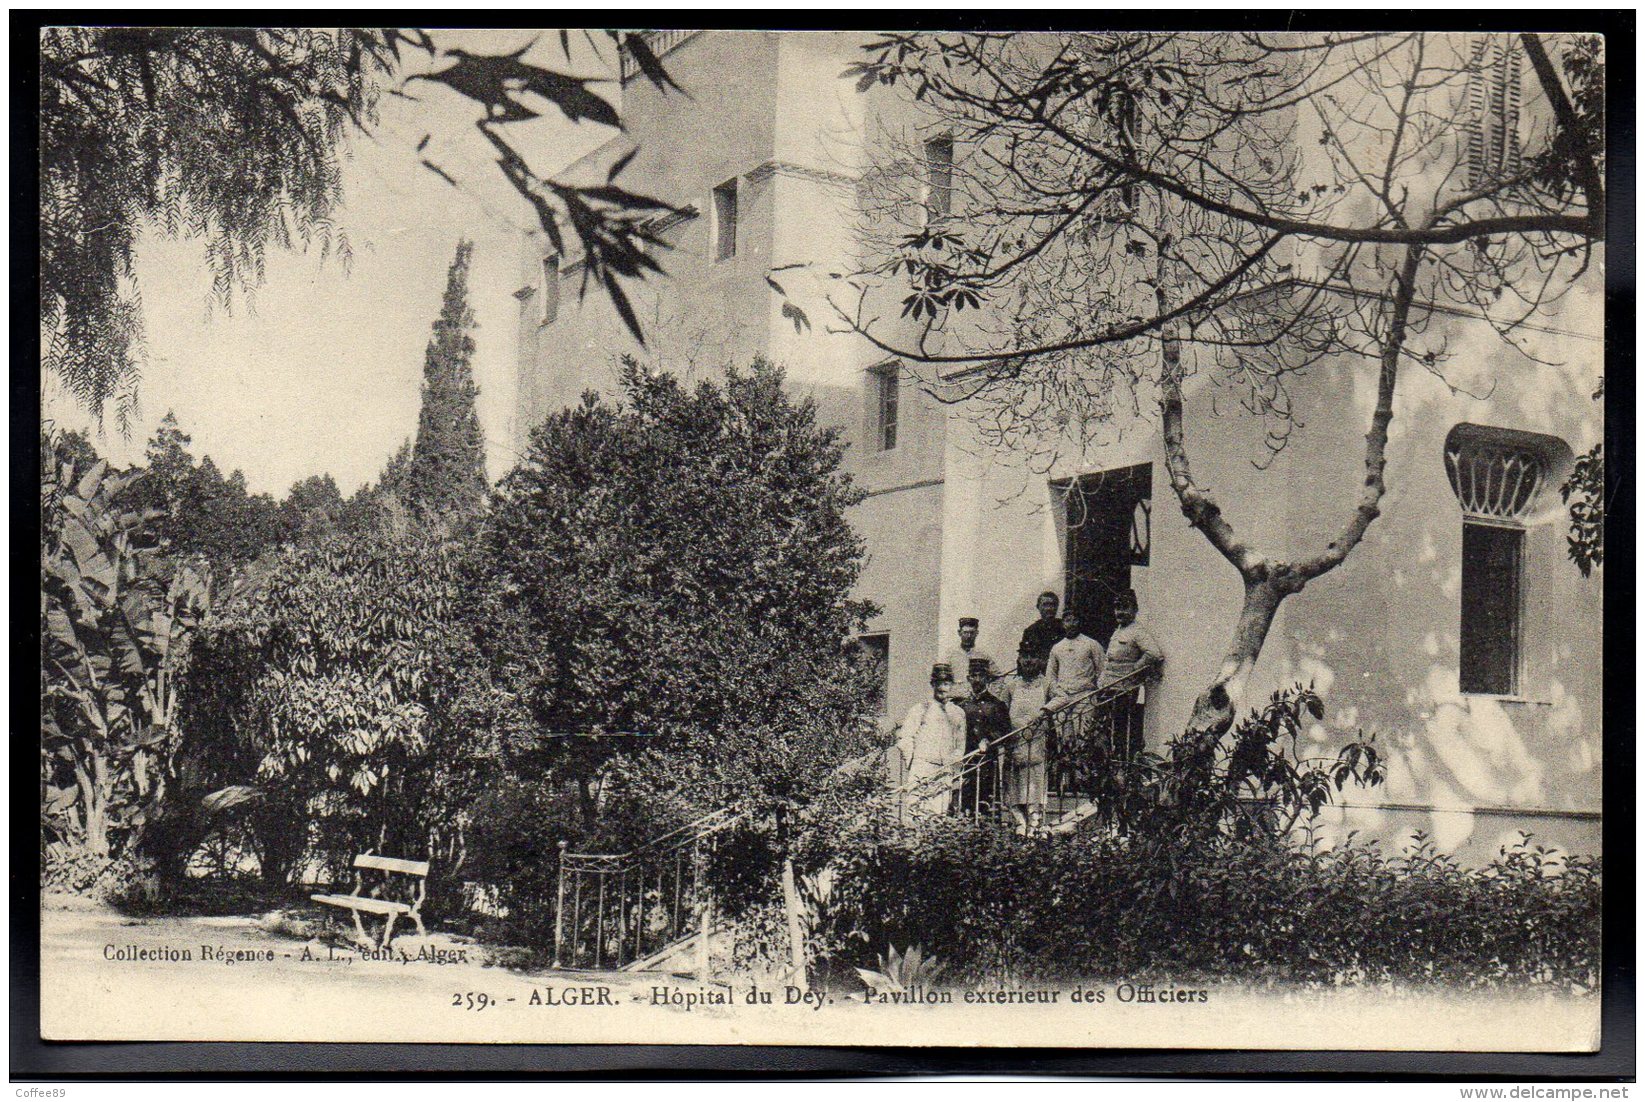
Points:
[(391, 864)]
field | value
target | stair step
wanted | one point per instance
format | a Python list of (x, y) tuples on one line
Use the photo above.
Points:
[(688, 944)]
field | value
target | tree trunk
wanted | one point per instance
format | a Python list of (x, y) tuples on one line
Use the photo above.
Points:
[(95, 796), (1268, 582), (796, 928), (585, 803), (1215, 709)]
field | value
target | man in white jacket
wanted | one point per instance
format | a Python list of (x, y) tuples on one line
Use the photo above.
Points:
[(931, 739)]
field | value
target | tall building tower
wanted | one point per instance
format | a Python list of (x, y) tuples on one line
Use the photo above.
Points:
[(762, 157)]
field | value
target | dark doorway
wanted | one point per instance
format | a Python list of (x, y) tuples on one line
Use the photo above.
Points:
[(1108, 517)]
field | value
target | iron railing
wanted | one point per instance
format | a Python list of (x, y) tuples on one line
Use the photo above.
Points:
[(613, 909), (1084, 741), (661, 42)]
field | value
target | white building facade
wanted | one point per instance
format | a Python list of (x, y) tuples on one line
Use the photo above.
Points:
[(1458, 631)]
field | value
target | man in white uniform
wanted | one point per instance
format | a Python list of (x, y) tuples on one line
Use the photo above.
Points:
[(931, 739)]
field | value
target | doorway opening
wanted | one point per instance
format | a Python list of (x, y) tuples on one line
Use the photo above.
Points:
[(1108, 517)]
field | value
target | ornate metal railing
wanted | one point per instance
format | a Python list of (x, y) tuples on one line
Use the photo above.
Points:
[(661, 42), (1083, 740), (613, 909)]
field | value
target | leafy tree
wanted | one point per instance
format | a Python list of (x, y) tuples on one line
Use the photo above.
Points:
[(234, 135), (199, 514), (446, 477), (695, 606), (115, 634), (1585, 495), (1133, 208), (313, 507), (350, 658)]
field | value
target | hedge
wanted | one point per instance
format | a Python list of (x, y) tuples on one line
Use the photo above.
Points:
[(991, 903)]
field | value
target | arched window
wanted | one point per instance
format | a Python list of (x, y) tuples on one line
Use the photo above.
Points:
[(1500, 477)]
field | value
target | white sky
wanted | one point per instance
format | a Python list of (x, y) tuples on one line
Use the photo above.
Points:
[(320, 371)]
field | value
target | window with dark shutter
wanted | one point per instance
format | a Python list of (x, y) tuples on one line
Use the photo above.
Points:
[(551, 289), (886, 380), (876, 653), (1494, 90), (1492, 557), (725, 220)]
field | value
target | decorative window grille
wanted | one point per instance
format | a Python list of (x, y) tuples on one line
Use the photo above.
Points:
[(1495, 481), (1494, 91), (661, 42), (1141, 534), (725, 220), (939, 178)]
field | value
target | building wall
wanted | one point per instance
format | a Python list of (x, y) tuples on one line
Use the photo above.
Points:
[(954, 527), (1379, 636)]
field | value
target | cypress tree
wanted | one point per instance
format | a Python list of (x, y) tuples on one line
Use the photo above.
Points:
[(446, 477)]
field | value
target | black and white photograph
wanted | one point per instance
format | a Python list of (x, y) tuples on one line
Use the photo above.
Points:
[(985, 538)]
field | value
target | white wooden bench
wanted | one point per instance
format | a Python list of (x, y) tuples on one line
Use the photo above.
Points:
[(390, 909)]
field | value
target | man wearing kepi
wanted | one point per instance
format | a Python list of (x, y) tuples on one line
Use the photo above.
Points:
[(931, 739), (986, 720), (1134, 657), (961, 657)]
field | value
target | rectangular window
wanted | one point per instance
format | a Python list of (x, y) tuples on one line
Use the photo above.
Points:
[(1491, 586), (886, 382), (725, 220), (939, 178), (551, 289), (876, 654)]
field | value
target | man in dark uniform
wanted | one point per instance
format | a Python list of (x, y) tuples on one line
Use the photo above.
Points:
[(1044, 633), (987, 719)]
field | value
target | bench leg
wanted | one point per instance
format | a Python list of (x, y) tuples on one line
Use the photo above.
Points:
[(418, 919), (359, 927), (388, 929)]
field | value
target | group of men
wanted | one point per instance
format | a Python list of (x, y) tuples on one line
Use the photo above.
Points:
[(1057, 666)]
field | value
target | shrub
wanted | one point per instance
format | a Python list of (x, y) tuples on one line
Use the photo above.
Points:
[(700, 605), (1103, 906), (512, 855)]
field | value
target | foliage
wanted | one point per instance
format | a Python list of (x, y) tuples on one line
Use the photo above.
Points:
[(199, 514), (702, 605), (1557, 167), (902, 971), (1257, 777), (1064, 907), (115, 636), (446, 477), (313, 508), (235, 136), (1584, 493), (511, 850), (231, 135), (353, 662)]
